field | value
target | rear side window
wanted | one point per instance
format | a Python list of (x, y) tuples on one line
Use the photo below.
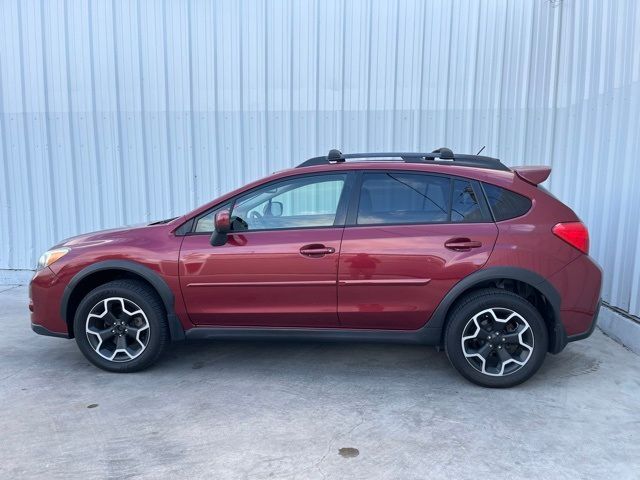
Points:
[(506, 204), (388, 198), (464, 204)]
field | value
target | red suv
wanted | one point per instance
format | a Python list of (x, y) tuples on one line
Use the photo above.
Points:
[(455, 251)]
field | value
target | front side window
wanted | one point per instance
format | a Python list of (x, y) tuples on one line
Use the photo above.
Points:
[(301, 202), (390, 197)]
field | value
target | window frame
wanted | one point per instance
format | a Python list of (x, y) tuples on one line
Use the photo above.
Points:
[(341, 210), (354, 203)]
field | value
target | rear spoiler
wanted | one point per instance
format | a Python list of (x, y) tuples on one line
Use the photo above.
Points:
[(533, 174)]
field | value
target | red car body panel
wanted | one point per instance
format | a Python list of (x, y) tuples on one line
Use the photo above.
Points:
[(261, 279), (395, 277), (381, 277)]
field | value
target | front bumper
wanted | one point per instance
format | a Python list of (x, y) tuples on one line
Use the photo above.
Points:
[(45, 292), (40, 330)]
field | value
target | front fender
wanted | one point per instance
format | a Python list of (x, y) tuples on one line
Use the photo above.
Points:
[(156, 281)]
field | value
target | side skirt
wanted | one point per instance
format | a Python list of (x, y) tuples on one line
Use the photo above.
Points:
[(424, 336)]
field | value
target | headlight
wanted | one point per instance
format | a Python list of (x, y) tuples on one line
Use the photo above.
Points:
[(51, 256)]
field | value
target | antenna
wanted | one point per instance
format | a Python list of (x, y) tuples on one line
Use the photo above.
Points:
[(480, 151)]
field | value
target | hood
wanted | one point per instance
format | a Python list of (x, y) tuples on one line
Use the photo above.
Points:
[(106, 236)]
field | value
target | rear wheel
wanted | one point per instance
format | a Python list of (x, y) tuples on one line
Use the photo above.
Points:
[(496, 338), (121, 326)]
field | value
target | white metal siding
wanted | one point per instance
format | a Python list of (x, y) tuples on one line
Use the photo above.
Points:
[(122, 112)]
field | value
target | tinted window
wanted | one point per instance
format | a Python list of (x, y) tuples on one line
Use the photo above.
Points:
[(464, 204), (302, 202), (403, 198), (506, 204)]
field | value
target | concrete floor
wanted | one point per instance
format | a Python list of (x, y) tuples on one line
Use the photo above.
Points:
[(258, 410)]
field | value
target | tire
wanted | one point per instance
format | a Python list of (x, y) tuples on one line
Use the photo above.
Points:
[(121, 313), (496, 338)]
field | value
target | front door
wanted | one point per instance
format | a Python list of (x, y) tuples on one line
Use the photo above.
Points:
[(279, 267), (413, 237)]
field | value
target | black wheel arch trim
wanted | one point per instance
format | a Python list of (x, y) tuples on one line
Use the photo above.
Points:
[(157, 282), (557, 334)]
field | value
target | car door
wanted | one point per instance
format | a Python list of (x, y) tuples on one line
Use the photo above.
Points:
[(279, 265), (409, 238)]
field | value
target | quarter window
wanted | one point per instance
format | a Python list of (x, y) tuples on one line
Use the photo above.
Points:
[(504, 203), (204, 224)]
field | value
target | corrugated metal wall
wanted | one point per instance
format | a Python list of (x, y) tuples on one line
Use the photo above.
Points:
[(117, 112)]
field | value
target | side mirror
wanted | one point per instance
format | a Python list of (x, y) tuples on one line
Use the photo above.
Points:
[(222, 226)]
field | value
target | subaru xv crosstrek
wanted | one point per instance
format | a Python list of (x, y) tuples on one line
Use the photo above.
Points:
[(454, 251)]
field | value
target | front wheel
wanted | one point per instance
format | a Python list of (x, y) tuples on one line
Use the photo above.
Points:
[(496, 338), (121, 326)]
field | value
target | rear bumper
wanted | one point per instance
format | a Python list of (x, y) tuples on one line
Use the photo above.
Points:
[(592, 327), (578, 285)]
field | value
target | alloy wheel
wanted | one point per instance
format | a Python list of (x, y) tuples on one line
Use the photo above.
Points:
[(117, 329), (497, 341)]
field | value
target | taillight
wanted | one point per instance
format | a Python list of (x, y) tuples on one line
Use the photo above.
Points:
[(574, 233)]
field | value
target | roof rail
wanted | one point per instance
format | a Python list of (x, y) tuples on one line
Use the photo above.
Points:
[(444, 152), (442, 155)]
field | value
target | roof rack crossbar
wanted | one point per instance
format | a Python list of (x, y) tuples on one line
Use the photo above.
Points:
[(441, 155)]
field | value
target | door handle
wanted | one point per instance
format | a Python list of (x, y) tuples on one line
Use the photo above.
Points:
[(462, 244), (316, 250)]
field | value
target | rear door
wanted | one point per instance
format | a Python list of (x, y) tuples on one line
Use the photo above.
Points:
[(280, 269), (409, 238)]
